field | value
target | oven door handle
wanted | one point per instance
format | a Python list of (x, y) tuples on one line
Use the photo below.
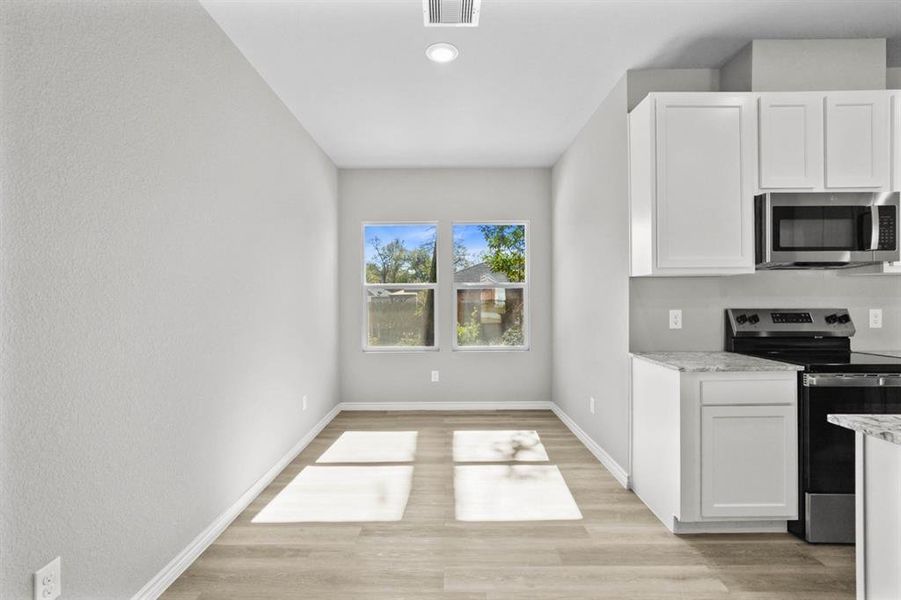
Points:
[(852, 380)]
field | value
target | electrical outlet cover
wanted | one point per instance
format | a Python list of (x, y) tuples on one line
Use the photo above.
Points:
[(435, 375), (875, 318), (47, 582), (675, 319)]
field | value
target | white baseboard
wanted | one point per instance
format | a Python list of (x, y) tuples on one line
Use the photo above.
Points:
[(392, 406), (167, 576), (619, 473)]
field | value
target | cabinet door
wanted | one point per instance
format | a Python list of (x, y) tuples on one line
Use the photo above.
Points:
[(857, 140), (749, 461), (706, 164), (791, 141)]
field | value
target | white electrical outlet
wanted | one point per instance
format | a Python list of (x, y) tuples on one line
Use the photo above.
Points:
[(434, 376), (303, 403), (875, 318), (675, 319), (47, 582), (591, 404)]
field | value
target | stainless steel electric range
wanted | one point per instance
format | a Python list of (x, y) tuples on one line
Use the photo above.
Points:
[(835, 380)]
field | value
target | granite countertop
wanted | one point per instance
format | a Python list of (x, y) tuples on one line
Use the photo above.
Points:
[(713, 361), (885, 427)]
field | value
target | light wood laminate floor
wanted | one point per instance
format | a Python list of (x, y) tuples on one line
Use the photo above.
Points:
[(617, 550)]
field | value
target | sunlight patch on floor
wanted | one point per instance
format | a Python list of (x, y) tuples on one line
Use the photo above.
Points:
[(496, 446), (512, 493), (341, 494), (371, 446)]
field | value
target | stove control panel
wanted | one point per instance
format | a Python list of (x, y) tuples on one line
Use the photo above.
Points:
[(808, 322)]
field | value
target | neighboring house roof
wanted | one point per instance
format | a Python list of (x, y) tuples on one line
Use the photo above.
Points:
[(479, 273)]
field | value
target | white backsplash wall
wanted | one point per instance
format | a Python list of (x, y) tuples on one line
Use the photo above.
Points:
[(703, 299)]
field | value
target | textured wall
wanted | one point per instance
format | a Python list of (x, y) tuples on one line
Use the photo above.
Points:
[(591, 277), (168, 243), (445, 195), (703, 300)]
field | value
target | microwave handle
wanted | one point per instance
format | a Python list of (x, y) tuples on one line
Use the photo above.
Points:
[(874, 232)]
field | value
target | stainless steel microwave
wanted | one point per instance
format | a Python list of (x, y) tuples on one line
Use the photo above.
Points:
[(826, 230)]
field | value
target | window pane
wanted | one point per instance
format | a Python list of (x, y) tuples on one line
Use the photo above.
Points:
[(401, 317), (400, 253), (489, 253), (490, 317)]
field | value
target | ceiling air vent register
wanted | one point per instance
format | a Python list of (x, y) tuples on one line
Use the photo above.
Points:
[(451, 13)]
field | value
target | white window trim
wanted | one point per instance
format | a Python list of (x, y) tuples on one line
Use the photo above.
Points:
[(524, 286), (399, 286)]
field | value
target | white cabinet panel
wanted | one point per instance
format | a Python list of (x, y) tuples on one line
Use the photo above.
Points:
[(791, 141), (705, 156), (896, 142), (857, 140), (748, 461)]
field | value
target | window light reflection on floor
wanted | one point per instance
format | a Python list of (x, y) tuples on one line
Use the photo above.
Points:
[(497, 446), (341, 494), (371, 446), (512, 493)]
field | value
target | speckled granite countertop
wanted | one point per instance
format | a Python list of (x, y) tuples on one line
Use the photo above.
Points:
[(884, 427), (713, 361)]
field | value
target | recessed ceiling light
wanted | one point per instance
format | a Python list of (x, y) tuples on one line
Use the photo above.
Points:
[(442, 52)]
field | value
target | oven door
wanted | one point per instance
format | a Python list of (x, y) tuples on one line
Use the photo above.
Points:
[(827, 451), (820, 229)]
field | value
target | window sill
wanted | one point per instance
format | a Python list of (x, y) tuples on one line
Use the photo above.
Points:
[(400, 349)]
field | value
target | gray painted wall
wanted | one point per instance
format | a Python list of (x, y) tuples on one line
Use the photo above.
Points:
[(703, 299), (444, 195), (591, 277), (168, 244), (793, 65)]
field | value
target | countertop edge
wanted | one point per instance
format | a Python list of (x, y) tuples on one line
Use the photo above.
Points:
[(759, 365), (881, 426)]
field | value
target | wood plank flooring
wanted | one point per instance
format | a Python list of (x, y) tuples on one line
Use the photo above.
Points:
[(618, 550)]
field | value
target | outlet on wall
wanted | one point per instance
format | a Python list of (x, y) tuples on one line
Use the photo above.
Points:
[(434, 376), (303, 403), (47, 582), (591, 404), (675, 318), (875, 318)]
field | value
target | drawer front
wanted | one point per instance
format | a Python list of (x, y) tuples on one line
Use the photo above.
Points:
[(748, 391)]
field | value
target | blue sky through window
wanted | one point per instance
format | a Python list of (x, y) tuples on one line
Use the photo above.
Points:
[(413, 236), (473, 240)]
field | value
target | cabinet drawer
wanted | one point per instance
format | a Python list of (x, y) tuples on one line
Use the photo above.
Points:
[(748, 391)]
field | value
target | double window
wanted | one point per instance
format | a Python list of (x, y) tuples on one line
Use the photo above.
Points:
[(488, 298)]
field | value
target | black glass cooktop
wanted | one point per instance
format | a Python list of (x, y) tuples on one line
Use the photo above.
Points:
[(835, 361)]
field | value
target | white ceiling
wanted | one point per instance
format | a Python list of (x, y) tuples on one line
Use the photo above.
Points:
[(527, 79)]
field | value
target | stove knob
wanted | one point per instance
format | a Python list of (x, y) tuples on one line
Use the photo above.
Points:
[(844, 318), (832, 319), (741, 319), (753, 319)]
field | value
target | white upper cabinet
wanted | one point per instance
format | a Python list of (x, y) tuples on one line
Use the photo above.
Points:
[(822, 141), (857, 140), (791, 141), (692, 173)]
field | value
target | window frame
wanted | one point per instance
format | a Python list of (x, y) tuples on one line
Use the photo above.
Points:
[(524, 286), (366, 286)]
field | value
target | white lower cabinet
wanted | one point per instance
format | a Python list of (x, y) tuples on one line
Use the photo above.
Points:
[(715, 451), (747, 455)]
